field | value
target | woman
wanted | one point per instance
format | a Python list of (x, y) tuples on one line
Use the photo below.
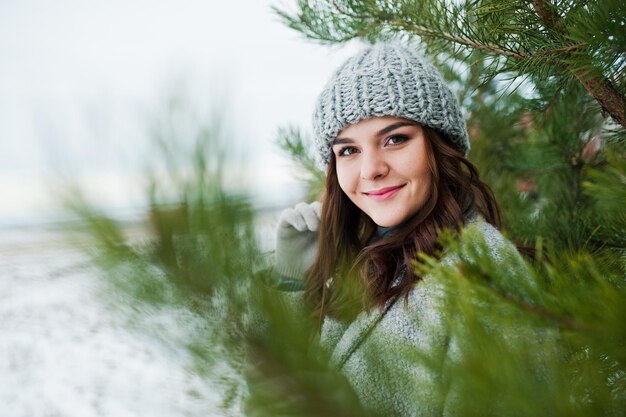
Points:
[(394, 142)]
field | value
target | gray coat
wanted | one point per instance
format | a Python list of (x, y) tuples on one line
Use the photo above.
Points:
[(394, 358)]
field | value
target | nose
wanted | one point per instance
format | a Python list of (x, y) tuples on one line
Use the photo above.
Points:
[(373, 165)]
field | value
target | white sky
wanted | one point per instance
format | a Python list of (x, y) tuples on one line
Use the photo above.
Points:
[(80, 79)]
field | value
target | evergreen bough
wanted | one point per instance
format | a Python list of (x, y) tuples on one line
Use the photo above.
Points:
[(542, 84)]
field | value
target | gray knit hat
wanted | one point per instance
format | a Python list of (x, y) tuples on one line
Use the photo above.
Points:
[(387, 79)]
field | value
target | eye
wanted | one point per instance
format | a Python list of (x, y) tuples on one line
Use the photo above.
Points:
[(396, 139), (346, 151)]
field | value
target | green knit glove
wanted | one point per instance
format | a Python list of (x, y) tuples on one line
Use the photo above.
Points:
[(296, 239)]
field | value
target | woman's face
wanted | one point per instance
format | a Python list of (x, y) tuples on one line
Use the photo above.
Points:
[(382, 166)]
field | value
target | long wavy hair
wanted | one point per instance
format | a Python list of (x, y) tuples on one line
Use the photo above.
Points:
[(353, 271)]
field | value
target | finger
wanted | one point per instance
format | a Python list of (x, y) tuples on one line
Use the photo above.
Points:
[(292, 219), (310, 217)]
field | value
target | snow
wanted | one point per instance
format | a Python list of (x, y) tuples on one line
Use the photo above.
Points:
[(65, 351)]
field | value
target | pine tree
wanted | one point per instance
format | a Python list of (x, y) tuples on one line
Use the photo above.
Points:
[(544, 89), (543, 85)]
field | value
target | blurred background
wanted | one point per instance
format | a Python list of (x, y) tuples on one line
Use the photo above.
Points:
[(82, 81), (151, 129), (83, 86)]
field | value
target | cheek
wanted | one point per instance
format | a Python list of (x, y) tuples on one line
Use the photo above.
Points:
[(416, 169), (423, 178), (426, 186), (346, 178)]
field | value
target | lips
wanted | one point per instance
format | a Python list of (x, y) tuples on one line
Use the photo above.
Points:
[(384, 193)]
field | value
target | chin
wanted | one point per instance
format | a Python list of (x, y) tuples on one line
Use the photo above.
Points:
[(386, 222)]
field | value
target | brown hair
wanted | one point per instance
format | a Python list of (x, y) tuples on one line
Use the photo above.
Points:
[(362, 272)]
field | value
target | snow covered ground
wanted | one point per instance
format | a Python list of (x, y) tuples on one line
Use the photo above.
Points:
[(64, 352)]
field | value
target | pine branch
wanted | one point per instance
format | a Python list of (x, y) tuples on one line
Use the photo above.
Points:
[(294, 144), (547, 15), (494, 49), (556, 51), (537, 40), (561, 321), (598, 86), (461, 40)]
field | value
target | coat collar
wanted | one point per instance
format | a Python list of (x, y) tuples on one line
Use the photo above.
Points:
[(357, 331)]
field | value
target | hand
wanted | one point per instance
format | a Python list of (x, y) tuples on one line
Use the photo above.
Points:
[(296, 239)]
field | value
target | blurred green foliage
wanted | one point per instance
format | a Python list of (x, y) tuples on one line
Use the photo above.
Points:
[(540, 337)]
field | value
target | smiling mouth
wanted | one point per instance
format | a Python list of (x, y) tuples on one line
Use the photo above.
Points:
[(384, 193)]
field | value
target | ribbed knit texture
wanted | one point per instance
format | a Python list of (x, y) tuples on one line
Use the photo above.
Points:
[(387, 79)]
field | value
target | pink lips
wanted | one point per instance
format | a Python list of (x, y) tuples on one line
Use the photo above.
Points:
[(384, 193)]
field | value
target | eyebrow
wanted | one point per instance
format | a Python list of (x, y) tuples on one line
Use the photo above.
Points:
[(381, 132)]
